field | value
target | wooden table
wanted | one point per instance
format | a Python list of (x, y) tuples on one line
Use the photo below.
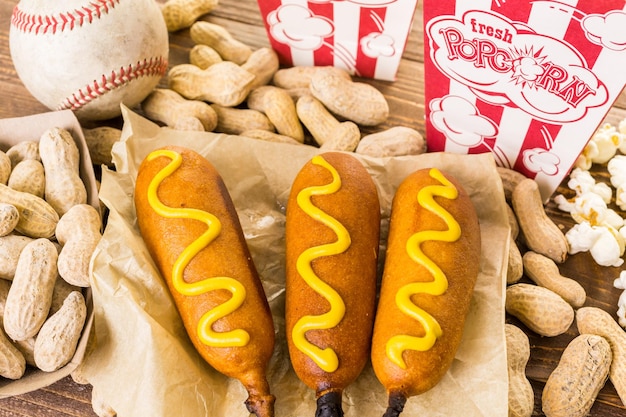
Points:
[(405, 96)]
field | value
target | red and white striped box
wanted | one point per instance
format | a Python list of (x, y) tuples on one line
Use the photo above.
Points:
[(527, 80), (365, 37)]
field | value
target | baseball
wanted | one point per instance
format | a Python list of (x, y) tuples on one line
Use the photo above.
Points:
[(89, 55)]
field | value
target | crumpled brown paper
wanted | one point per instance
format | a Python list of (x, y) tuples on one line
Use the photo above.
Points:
[(142, 362)]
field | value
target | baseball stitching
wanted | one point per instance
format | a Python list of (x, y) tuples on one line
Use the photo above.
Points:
[(146, 68), (42, 24)]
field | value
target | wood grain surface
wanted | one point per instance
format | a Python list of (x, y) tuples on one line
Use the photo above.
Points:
[(406, 99)]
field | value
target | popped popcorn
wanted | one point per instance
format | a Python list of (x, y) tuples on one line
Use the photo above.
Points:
[(617, 169), (608, 141), (603, 145), (598, 225), (600, 230), (582, 237), (604, 243), (620, 197), (583, 182), (584, 160)]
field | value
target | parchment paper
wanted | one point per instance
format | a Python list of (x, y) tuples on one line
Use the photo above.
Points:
[(142, 362)]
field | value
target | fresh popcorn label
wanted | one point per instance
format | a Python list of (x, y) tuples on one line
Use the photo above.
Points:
[(528, 81), (364, 37)]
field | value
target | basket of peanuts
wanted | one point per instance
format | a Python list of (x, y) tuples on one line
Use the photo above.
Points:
[(50, 223)]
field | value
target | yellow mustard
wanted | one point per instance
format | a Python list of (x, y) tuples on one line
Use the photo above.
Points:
[(399, 343), (326, 358), (237, 337)]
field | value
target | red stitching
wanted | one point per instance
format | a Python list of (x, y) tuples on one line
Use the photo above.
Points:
[(146, 68), (42, 24)]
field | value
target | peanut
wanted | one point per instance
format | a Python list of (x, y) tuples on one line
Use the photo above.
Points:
[(28, 176), (27, 348), (515, 266), (279, 108), (27, 149), (347, 139), (513, 224), (540, 309), (60, 292), (224, 83), (169, 107), (263, 63), (322, 124), (10, 248), (358, 102), (37, 217), (220, 39), (61, 161), (12, 362), (300, 77), (296, 93), (78, 232), (540, 233), (30, 295), (56, 342), (24, 346), (521, 396), (100, 141), (4, 292), (573, 386), (510, 178), (5, 167), (395, 141), (190, 124), (593, 320), (181, 14), (543, 271), (268, 136), (9, 216), (203, 56), (234, 121)]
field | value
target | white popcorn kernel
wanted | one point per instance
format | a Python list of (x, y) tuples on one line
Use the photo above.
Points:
[(608, 141), (589, 207), (607, 250), (581, 237), (605, 244), (584, 160), (564, 204), (617, 169), (620, 282), (592, 208), (580, 181), (619, 237), (620, 197), (612, 219), (603, 190)]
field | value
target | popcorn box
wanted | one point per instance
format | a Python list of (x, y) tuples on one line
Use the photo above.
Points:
[(365, 37), (528, 81)]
